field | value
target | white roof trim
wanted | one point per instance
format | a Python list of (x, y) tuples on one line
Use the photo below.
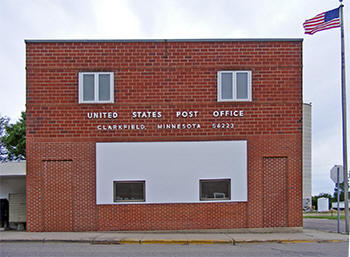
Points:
[(13, 168)]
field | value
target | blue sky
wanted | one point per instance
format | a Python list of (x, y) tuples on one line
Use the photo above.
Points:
[(167, 19)]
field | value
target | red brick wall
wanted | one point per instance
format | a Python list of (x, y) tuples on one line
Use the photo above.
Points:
[(57, 195), (167, 77), (275, 196)]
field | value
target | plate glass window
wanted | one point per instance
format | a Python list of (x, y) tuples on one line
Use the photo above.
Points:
[(215, 189), (242, 85), (129, 191), (89, 87), (234, 86), (226, 86), (96, 87)]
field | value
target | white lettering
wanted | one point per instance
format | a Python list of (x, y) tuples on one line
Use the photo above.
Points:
[(114, 127), (186, 114), (179, 126), (228, 113), (147, 114), (222, 125), (102, 115)]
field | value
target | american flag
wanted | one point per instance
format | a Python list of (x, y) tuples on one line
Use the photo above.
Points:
[(322, 21)]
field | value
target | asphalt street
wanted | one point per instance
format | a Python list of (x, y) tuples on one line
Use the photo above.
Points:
[(251, 250), (337, 248)]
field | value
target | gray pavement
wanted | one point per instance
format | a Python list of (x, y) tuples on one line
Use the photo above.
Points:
[(315, 231), (324, 225)]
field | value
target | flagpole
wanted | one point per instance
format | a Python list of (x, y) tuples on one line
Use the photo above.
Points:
[(345, 151)]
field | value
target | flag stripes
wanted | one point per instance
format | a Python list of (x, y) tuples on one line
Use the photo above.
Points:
[(322, 22)]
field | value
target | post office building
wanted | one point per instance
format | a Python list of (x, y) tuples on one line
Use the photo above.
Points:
[(136, 135)]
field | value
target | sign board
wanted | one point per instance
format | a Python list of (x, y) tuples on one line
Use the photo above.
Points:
[(334, 172)]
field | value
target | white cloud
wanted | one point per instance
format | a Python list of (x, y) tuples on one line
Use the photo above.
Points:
[(115, 21), (34, 19)]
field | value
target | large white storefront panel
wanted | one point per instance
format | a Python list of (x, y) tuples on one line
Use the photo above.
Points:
[(171, 170)]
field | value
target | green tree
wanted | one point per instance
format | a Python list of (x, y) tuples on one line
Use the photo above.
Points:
[(341, 195), (3, 151), (13, 139)]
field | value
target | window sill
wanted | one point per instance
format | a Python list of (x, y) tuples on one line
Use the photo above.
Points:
[(128, 201), (214, 199), (109, 102)]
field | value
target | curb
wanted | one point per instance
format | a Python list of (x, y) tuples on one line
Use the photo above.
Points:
[(165, 241), (287, 241), (169, 241)]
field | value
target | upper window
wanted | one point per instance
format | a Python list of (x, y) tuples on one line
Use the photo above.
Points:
[(96, 87), (234, 86), (215, 189)]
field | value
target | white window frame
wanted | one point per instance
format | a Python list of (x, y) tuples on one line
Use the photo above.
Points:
[(234, 90), (96, 88)]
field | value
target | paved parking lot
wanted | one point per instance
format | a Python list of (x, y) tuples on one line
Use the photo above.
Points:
[(324, 225)]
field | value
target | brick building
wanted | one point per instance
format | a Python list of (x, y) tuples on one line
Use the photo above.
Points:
[(164, 134)]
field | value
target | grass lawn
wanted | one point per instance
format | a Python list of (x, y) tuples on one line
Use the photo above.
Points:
[(329, 217)]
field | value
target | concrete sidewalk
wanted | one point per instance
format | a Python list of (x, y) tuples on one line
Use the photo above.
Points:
[(307, 236)]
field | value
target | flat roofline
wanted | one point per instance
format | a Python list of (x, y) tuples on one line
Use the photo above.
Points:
[(162, 40)]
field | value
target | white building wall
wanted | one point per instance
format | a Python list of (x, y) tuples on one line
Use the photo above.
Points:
[(15, 168), (12, 178), (307, 143), (14, 184), (172, 170)]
